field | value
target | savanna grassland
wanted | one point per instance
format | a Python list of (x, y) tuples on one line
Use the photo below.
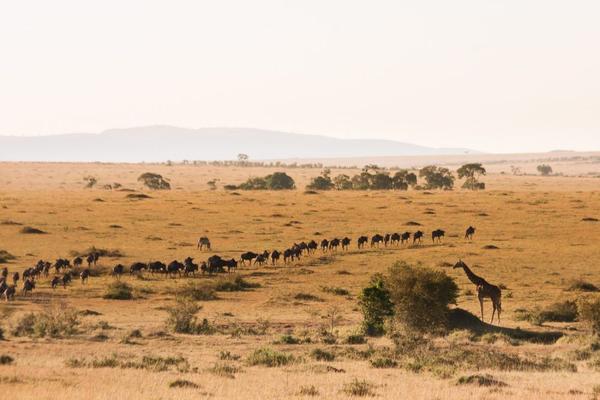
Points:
[(531, 239)]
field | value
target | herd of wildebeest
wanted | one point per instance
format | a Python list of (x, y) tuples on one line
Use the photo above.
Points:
[(65, 270)]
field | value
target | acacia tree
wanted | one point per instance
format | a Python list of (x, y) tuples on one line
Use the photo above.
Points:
[(437, 177), (321, 182), (544, 169), (471, 173), (342, 182), (403, 179), (154, 181)]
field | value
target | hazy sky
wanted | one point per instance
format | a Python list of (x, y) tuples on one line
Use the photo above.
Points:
[(494, 75)]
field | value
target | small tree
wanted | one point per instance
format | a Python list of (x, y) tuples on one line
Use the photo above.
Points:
[(437, 177), (421, 297), (361, 181), (403, 179), (154, 181), (376, 306), (342, 182), (544, 169), (255, 183), (243, 158), (381, 181), (321, 182), (471, 173), (280, 181)]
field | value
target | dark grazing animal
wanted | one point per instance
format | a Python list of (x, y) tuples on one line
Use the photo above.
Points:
[(215, 264), (66, 279), (55, 281), (275, 257), (84, 275), (362, 241), (77, 261), (90, 260), (9, 292), (231, 264), (405, 237), (375, 240), (118, 270), (386, 239), (248, 256), (311, 246), (157, 267), (174, 268), (418, 235), (288, 255), (346, 243), (203, 242), (395, 238), (260, 259), (137, 267), (437, 234), (4, 273), (324, 245), (469, 233), (333, 244), (190, 267), (28, 286), (15, 278)]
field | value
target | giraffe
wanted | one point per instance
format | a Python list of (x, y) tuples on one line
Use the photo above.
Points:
[(484, 289)]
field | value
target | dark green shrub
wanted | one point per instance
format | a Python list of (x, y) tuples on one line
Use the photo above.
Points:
[(589, 310), (421, 297), (56, 322), (322, 355), (234, 283), (154, 181), (376, 306), (270, 358)]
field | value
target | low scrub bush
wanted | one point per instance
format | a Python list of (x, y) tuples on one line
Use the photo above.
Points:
[(309, 390), (338, 291), (480, 380), (182, 318), (5, 257), (57, 322), (322, 355), (384, 362), (32, 231), (359, 388), (376, 306), (199, 291), (583, 286), (184, 384), (270, 358), (234, 283), (589, 310), (6, 359), (118, 291), (224, 369)]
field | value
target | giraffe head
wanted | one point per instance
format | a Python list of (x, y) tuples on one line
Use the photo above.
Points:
[(460, 264)]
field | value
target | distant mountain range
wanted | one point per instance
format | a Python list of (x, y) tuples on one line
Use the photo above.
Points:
[(161, 143)]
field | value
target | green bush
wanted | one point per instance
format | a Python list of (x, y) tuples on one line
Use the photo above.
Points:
[(421, 297), (199, 291), (376, 306), (275, 181), (234, 283), (322, 355), (321, 182), (270, 358), (118, 291), (384, 362), (182, 316), (359, 388)]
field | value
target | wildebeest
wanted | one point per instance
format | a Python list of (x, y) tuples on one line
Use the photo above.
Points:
[(405, 237), (118, 270), (288, 255), (334, 243), (324, 245), (362, 241), (15, 278), (417, 236), (469, 233), (55, 281), (174, 268), (311, 246), (137, 267), (260, 259), (231, 264), (275, 257), (90, 260), (84, 275), (77, 261), (203, 242), (345, 243), (248, 256), (66, 279), (437, 234), (375, 240), (395, 238), (61, 263), (215, 264), (28, 286), (9, 292), (157, 266), (4, 273), (190, 267), (386, 239)]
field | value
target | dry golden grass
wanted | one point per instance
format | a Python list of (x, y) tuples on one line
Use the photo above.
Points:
[(536, 223)]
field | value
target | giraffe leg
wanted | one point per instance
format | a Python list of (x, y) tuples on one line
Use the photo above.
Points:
[(493, 312), (481, 305)]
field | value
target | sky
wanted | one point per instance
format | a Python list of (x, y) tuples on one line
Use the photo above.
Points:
[(491, 75)]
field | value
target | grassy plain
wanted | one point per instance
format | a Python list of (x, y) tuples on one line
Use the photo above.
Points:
[(543, 245)]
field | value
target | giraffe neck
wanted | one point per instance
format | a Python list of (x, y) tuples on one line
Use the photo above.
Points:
[(472, 277)]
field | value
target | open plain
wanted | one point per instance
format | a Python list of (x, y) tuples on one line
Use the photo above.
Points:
[(535, 237)]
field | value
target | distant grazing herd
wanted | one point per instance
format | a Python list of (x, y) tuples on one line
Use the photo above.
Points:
[(64, 273)]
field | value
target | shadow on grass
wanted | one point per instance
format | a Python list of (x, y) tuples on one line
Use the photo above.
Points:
[(461, 319)]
